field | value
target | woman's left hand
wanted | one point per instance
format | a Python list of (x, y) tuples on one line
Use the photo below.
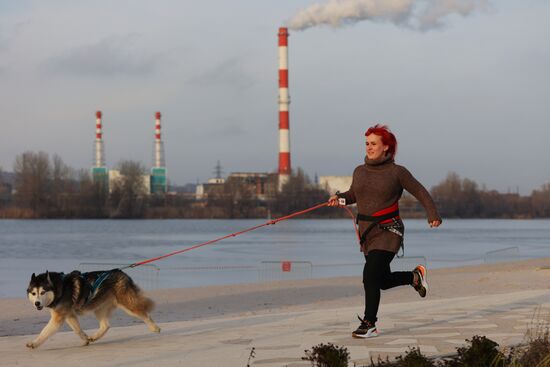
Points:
[(435, 223)]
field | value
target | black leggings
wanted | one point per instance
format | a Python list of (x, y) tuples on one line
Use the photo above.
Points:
[(377, 275)]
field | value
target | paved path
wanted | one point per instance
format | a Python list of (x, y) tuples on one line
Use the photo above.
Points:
[(435, 326)]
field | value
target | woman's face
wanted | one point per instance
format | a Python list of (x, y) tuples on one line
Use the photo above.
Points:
[(375, 148)]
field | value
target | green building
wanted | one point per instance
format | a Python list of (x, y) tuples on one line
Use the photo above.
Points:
[(101, 175), (159, 183)]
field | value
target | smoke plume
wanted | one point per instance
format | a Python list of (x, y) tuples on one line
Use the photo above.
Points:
[(416, 14)]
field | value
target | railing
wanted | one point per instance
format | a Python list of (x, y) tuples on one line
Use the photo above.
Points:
[(149, 276)]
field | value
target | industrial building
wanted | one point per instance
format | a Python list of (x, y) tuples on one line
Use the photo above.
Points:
[(259, 186)]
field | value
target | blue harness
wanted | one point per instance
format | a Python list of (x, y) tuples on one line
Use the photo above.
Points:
[(96, 284)]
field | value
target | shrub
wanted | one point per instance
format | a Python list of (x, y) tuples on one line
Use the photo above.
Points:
[(482, 352), (414, 358), (327, 355), (536, 353)]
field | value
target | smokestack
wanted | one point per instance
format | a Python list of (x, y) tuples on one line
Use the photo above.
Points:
[(159, 182), (99, 156), (159, 149), (284, 101)]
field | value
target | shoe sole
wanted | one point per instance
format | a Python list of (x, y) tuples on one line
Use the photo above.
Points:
[(365, 336)]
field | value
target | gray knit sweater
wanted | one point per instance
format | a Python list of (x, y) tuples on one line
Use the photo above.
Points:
[(377, 185)]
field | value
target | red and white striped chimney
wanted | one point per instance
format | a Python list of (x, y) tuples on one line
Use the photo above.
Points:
[(99, 154), (159, 151), (284, 101)]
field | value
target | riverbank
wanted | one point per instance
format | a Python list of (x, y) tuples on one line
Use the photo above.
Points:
[(220, 324)]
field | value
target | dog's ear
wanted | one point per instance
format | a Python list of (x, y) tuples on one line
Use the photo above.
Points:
[(33, 277), (49, 279)]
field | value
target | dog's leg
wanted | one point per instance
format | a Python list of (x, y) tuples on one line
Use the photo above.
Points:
[(102, 315), (72, 320), (51, 328), (143, 316)]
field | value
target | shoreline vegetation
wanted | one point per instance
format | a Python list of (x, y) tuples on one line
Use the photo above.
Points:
[(44, 188)]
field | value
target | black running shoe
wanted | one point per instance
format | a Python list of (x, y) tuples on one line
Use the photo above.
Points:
[(422, 285), (365, 330)]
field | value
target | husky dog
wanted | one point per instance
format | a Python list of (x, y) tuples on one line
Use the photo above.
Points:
[(70, 295)]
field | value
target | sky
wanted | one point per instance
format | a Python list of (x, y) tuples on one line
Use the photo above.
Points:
[(465, 89)]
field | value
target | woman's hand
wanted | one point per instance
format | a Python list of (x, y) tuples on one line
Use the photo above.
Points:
[(435, 223), (333, 201)]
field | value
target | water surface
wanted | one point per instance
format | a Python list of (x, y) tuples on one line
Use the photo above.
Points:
[(316, 248)]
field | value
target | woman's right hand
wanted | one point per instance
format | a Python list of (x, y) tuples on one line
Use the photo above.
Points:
[(333, 201)]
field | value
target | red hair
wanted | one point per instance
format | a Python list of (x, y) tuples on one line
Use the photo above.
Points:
[(387, 137)]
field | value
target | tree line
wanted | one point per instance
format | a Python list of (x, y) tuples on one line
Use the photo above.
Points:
[(44, 187)]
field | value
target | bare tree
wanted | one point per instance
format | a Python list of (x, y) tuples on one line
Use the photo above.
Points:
[(298, 193), (457, 197), (3, 188), (92, 197), (540, 200), (32, 181), (129, 192), (62, 187)]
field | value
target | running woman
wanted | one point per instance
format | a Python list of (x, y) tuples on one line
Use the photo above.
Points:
[(376, 188)]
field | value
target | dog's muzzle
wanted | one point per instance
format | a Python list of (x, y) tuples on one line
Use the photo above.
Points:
[(38, 306)]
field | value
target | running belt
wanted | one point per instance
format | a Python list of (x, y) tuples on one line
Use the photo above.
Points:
[(389, 215)]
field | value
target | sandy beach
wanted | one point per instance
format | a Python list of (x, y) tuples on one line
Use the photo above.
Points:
[(218, 326)]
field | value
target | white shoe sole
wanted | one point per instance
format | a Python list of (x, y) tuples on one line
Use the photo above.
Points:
[(369, 334)]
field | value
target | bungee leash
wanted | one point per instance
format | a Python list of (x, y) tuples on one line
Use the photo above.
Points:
[(235, 234)]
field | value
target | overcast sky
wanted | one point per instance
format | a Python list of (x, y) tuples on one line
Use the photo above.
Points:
[(467, 92)]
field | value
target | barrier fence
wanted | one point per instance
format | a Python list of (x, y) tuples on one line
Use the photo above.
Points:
[(148, 275)]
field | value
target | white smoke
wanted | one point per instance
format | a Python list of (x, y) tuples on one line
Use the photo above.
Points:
[(416, 14)]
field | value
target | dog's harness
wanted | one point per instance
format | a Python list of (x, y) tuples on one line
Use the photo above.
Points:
[(94, 287), (387, 219)]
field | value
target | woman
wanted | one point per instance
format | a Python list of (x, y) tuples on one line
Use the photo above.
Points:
[(376, 187)]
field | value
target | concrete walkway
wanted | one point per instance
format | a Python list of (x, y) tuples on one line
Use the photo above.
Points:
[(437, 327)]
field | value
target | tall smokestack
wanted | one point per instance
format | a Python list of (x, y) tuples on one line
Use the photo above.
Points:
[(159, 149), (99, 156), (159, 183), (284, 101), (100, 174)]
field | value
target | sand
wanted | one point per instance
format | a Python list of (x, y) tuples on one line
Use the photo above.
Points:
[(219, 325)]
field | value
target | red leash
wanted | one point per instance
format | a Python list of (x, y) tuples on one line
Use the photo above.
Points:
[(274, 221)]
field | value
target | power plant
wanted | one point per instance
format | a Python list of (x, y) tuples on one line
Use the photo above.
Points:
[(155, 183), (265, 183)]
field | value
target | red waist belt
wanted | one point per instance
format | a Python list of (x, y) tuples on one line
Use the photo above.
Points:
[(384, 216)]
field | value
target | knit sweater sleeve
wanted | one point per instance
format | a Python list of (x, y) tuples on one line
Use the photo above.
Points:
[(350, 194), (412, 185)]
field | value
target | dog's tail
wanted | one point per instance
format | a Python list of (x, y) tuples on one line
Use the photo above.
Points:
[(130, 295)]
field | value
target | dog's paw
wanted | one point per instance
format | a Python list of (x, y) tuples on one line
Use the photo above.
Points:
[(86, 342), (31, 345), (156, 329), (91, 340)]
